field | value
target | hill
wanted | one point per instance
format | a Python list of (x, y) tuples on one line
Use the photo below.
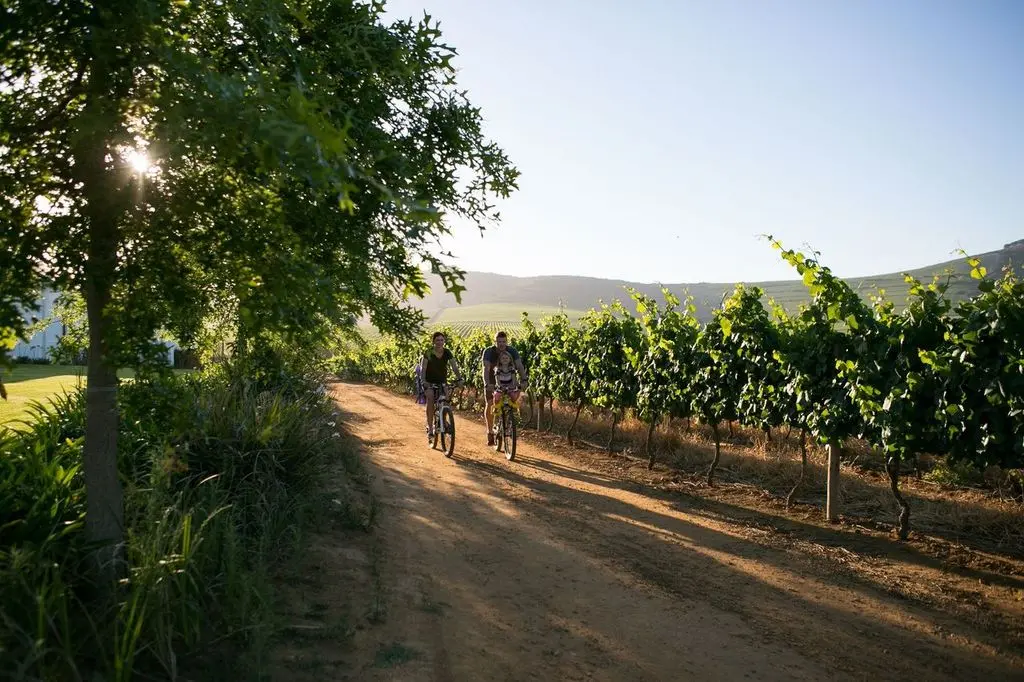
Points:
[(490, 298)]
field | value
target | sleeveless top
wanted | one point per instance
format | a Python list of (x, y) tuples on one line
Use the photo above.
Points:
[(436, 371), (504, 378)]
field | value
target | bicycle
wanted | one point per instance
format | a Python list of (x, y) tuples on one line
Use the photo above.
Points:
[(444, 421), (506, 437)]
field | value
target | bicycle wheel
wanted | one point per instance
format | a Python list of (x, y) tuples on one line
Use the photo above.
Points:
[(508, 428), (499, 436), (437, 426), (448, 434)]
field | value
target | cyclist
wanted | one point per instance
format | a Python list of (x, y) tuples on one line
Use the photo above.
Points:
[(505, 380), (435, 372), (490, 359)]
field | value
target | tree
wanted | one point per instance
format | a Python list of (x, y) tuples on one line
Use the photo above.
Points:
[(73, 344), (560, 370), (527, 343), (665, 369), (979, 373), (796, 340), (829, 328), (754, 338), (612, 340), (291, 160), (717, 381), (892, 384)]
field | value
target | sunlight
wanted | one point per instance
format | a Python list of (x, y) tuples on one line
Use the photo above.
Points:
[(139, 161)]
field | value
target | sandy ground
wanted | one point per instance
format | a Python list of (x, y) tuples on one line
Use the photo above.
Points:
[(553, 568)]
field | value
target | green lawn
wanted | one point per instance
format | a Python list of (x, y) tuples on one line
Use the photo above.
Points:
[(35, 383)]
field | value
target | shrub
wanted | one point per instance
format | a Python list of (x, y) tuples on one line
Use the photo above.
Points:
[(220, 474)]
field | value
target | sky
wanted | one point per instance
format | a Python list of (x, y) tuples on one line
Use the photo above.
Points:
[(658, 140)]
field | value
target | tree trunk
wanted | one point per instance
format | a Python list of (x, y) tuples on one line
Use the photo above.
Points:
[(689, 424), (104, 518), (789, 430), (540, 411), (803, 467), (718, 453), (767, 434), (615, 421), (575, 419), (551, 414), (892, 467), (730, 429), (529, 399), (104, 204), (647, 444), (832, 498)]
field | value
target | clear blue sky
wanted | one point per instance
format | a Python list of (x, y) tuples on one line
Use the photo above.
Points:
[(658, 139)]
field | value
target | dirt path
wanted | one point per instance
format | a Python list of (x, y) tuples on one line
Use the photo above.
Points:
[(541, 569)]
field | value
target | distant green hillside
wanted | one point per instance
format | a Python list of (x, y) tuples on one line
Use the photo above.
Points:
[(496, 313), (491, 298)]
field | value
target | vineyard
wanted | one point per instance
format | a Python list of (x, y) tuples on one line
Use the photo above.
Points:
[(928, 377), (468, 328)]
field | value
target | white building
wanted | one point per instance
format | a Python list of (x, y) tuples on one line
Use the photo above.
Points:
[(38, 347)]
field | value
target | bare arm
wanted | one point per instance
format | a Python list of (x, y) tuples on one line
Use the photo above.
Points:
[(488, 371)]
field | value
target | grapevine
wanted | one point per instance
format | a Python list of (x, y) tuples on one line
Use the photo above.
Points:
[(926, 377)]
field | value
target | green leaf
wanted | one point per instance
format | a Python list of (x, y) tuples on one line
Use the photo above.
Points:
[(8, 339)]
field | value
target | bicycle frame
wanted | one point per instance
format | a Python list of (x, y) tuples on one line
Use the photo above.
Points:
[(441, 409), (440, 400)]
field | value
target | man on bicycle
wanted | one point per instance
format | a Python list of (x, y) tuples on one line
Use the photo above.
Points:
[(435, 373), (490, 359)]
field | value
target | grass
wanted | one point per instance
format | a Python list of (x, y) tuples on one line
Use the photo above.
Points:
[(27, 384), (35, 383), (222, 477)]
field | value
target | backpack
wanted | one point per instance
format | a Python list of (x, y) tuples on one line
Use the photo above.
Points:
[(421, 396)]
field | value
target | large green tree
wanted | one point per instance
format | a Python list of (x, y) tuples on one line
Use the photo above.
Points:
[(291, 160)]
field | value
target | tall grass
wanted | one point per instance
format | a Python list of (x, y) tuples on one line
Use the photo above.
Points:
[(220, 476)]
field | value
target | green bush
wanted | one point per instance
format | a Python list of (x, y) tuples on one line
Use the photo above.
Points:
[(220, 474), (961, 473)]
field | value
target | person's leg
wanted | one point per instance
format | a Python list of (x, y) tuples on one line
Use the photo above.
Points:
[(429, 391), (489, 413)]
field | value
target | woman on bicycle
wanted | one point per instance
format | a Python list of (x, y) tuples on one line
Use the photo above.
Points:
[(435, 374)]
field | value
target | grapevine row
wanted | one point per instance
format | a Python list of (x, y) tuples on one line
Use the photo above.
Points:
[(932, 377)]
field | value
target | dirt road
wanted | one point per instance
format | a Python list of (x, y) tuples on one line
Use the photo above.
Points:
[(543, 569)]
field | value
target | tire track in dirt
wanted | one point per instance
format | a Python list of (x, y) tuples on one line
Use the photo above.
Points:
[(482, 569)]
